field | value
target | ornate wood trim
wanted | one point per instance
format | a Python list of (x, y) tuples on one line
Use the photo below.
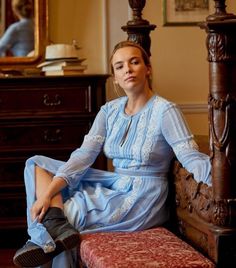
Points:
[(138, 29)]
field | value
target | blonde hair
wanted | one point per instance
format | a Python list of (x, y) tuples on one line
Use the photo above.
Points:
[(144, 55), (24, 8)]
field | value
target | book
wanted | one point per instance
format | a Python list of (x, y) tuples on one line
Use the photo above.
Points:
[(63, 72), (61, 62), (64, 67)]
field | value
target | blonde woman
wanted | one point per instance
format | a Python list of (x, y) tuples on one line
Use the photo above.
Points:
[(140, 132)]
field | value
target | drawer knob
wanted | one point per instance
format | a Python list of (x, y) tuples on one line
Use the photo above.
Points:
[(48, 102), (52, 136)]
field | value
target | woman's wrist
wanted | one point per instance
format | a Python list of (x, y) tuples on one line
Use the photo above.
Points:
[(55, 187)]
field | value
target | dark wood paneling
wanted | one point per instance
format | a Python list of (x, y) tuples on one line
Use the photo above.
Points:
[(40, 115)]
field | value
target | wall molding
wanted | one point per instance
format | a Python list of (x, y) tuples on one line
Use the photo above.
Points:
[(193, 108)]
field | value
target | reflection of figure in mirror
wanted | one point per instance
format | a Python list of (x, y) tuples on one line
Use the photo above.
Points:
[(18, 40)]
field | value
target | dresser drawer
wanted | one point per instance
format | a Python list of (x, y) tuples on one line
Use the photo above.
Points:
[(51, 100), (43, 134), (12, 172), (12, 205), (12, 165)]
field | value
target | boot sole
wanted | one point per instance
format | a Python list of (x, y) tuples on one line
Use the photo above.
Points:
[(68, 242), (36, 257), (32, 258)]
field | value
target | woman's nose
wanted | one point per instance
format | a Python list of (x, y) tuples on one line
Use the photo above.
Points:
[(127, 69)]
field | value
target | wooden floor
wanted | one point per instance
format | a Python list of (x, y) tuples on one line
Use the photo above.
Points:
[(6, 256)]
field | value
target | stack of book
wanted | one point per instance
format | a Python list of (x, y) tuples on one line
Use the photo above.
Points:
[(64, 67)]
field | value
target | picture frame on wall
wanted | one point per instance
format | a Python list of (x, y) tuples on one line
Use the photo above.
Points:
[(186, 12)]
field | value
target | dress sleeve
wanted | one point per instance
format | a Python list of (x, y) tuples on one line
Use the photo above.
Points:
[(179, 137), (83, 157), (7, 40)]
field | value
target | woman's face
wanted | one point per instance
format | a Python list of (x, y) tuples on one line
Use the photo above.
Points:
[(130, 71)]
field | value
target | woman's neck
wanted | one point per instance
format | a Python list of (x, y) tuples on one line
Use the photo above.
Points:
[(136, 102)]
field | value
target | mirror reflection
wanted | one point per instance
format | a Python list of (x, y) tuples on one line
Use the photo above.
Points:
[(40, 21), (17, 28)]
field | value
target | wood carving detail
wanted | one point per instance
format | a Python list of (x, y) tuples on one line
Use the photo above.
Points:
[(221, 213), (222, 129), (190, 195), (197, 199), (142, 39), (220, 140), (221, 104), (216, 47), (138, 29), (137, 7), (221, 47)]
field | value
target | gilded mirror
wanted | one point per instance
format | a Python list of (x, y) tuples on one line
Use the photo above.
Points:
[(40, 38)]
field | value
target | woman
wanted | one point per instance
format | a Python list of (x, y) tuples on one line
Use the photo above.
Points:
[(19, 36), (140, 132)]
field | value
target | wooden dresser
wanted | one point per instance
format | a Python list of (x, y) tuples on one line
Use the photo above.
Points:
[(40, 115)]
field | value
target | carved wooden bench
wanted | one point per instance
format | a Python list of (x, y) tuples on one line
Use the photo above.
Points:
[(201, 220)]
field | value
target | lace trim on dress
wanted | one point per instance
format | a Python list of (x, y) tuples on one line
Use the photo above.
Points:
[(122, 183), (140, 134), (185, 145), (149, 132), (115, 108), (115, 127), (96, 138), (128, 202), (147, 148)]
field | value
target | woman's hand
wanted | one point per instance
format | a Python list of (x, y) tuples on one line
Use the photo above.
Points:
[(39, 208), (44, 200)]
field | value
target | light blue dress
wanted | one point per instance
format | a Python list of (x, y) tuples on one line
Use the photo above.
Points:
[(18, 38), (132, 197)]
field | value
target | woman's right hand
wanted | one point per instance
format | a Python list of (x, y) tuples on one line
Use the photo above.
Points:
[(43, 202), (39, 208)]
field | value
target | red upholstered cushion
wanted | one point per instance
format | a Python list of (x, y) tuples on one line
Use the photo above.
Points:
[(156, 247)]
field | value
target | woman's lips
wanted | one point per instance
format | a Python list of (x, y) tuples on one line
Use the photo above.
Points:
[(130, 78)]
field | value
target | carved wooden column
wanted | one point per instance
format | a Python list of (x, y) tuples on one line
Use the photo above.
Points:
[(207, 215), (221, 45), (138, 29)]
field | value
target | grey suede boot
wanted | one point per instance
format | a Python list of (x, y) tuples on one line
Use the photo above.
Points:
[(31, 255), (62, 232)]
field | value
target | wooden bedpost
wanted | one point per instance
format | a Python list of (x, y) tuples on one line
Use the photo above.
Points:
[(138, 29), (206, 215), (220, 234), (221, 45)]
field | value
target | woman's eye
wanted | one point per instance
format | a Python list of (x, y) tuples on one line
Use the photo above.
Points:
[(118, 67), (135, 62)]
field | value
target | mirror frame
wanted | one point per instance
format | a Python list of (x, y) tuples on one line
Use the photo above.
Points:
[(41, 41)]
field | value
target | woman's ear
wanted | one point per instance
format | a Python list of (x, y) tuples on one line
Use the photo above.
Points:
[(149, 70)]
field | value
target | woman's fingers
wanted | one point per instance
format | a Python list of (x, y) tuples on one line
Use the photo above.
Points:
[(39, 209), (36, 210), (33, 213), (41, 215)]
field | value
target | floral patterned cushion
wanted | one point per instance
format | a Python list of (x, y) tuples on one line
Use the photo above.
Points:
[(156, 247)]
